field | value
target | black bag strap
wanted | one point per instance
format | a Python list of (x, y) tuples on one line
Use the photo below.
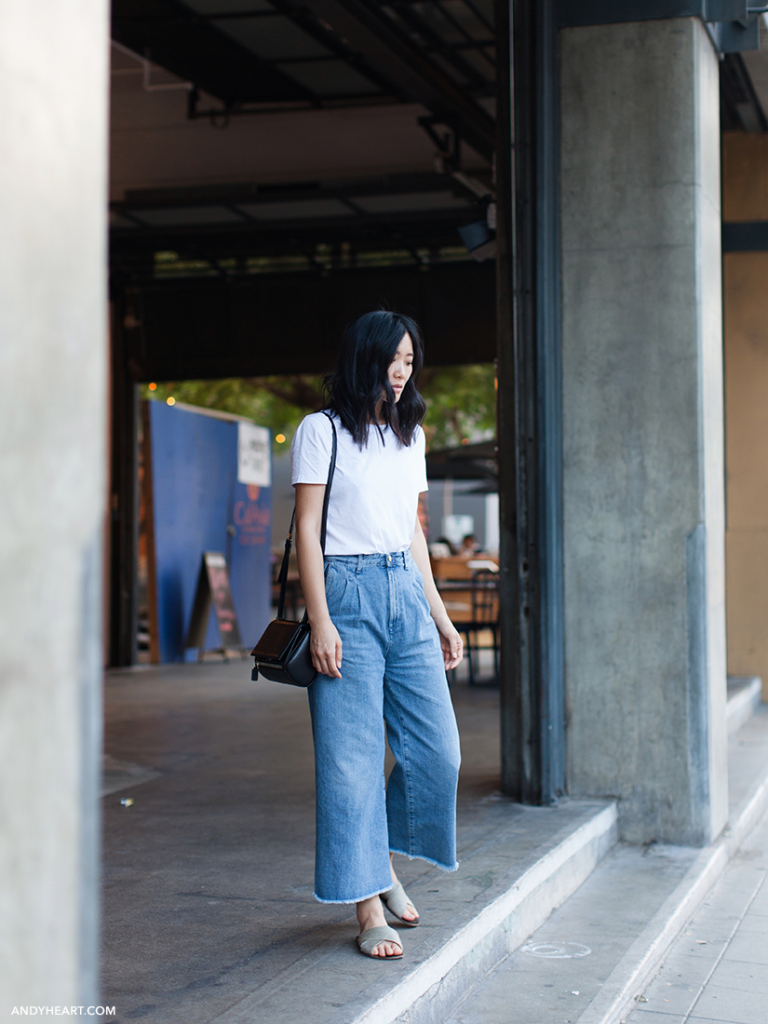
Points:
[(282, 579)]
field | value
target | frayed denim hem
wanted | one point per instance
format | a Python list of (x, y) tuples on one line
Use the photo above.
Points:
[(418, 856), (357, 899)]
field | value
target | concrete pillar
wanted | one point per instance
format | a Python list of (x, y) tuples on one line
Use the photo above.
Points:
[(643, 426), (54, 83), (745, 199)]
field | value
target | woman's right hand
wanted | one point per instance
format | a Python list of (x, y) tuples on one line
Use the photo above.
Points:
[(325, 648), (324, 640)]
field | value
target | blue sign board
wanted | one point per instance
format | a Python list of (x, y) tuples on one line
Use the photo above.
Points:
[(203, 502)]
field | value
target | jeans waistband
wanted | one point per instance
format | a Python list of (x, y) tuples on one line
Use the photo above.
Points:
[(392, 560)]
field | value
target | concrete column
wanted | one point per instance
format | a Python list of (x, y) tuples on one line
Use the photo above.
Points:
[(643, 426), (54, 82)]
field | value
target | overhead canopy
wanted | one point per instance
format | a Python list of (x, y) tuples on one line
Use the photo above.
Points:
[(312, 226), (249, 53), (278, 166), (469, 462)]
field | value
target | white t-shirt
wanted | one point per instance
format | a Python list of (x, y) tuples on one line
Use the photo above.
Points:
[(375, 490)]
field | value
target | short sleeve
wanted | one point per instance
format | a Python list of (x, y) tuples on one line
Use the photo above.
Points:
[(421, 449), (311, 450)]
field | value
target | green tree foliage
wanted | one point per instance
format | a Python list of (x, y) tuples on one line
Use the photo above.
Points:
[(461, 404), (461, 401)]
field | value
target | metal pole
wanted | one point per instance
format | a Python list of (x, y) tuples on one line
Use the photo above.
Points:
[(123, 493), (517, 404), (550, 404)]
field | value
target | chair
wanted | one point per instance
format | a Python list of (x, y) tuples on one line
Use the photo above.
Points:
[(485, 619)]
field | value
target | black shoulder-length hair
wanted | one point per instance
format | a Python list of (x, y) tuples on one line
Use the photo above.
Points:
[(354, 386)]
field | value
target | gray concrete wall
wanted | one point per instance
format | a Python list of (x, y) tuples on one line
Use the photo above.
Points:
[(643, 426), (53, 80)]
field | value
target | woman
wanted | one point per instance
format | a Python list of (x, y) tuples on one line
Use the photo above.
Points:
[(381, 638)]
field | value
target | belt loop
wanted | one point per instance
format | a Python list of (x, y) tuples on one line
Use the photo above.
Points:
[(359, 564), (405, 560)]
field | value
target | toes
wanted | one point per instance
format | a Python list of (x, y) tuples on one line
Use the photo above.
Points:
[(385, 949)]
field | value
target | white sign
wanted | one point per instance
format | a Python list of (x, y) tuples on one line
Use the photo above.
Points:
[(254, 465)]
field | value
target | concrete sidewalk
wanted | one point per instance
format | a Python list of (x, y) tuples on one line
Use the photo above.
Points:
[(209, 914), (208, 907), (718, 968), (595, 960)]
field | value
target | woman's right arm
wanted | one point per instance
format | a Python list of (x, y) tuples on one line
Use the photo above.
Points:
[(325, 642)]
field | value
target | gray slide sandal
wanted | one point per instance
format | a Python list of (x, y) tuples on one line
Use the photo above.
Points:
[(371, 938), (396, 901)]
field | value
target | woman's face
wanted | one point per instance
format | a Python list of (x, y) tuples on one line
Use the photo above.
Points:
[(401, 367)]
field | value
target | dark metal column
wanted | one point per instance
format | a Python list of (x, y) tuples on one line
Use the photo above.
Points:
[(529, 403), (550, 403), (123, 497)]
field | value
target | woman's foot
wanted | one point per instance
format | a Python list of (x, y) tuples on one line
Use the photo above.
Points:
[(409, 913), (370, 914)]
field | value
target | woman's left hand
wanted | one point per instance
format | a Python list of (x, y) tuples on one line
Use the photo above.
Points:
[(451, 643)]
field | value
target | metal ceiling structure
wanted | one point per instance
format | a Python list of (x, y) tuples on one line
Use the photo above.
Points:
[(254, 54), (477, 461), (237, 57), (240, 57), (245, 229), (740, 105)]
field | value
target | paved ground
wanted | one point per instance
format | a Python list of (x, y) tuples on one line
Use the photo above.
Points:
[(576, 955), (208, 871), (718, 969), (552, 978), (208, 856)]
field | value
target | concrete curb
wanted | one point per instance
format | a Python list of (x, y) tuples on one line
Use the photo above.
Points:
[(429, 992), (646, 954), (452, 957), (743, 704)]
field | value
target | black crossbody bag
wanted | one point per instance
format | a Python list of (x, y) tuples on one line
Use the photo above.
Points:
[(282, 654)]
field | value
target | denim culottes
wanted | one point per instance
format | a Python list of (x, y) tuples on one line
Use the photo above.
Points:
[(392, 672)]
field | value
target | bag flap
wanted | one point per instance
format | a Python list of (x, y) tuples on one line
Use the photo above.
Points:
[(276, 639)]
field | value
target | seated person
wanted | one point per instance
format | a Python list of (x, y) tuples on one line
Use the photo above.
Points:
[(442, 548), (469, 546)]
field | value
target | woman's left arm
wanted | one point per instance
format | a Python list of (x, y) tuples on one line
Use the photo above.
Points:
[(450, 638)]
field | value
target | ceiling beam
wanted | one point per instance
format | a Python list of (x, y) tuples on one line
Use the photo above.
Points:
[(740, 104), (432, 225), (250, 192), (135, 251), (170, 34), (363, 25)]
